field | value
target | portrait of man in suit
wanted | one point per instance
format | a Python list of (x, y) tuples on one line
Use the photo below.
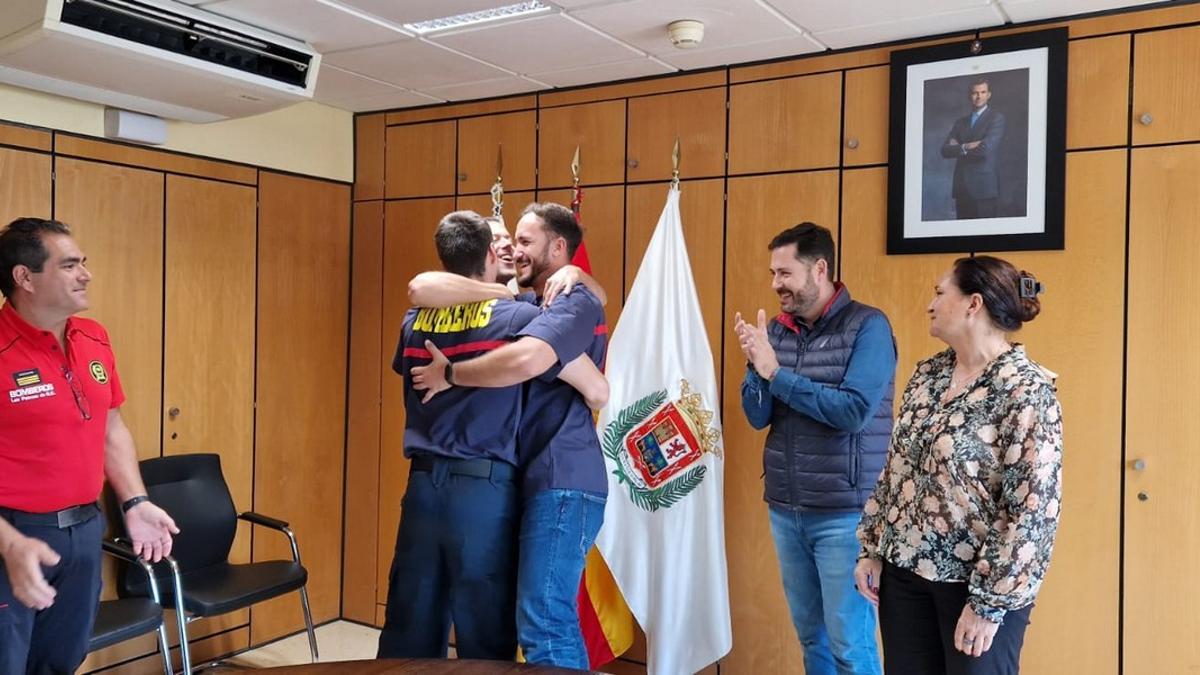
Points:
[(974, 143)]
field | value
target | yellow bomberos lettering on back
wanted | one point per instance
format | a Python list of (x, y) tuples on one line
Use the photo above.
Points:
[(454, 319)]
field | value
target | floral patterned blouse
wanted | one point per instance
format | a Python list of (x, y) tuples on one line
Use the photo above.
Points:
[(971, 489)]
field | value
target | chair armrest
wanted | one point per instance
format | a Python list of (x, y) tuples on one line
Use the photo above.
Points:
[(120, 549), (259, 519)]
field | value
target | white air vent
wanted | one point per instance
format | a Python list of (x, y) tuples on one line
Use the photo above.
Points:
[(154, 56)]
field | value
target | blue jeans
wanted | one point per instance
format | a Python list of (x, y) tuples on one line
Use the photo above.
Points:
[(558, 528), (455, 561), (817, 553)]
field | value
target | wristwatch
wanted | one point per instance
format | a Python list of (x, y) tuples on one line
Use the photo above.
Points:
[(132, 502), (450, 373)]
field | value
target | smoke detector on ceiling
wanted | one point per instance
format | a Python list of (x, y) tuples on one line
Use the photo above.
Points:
[(685, 34)]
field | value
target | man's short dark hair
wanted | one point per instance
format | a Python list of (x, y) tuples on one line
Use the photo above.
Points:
[(812, 241), (978, 81), (560, 221), (21, 244), (463, 240)]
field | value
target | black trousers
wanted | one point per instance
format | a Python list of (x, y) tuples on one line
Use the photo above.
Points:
[(54, 640), (968, 207), (917, 619)]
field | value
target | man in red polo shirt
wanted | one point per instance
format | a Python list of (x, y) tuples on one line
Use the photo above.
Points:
[(61, 433)]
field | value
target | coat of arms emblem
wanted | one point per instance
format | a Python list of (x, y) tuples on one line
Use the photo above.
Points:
[(656, 445)]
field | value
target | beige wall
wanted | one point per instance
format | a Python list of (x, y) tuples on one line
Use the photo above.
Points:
[(308, 138)]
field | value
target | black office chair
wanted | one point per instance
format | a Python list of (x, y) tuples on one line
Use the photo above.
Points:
[(192, 489), (126, 618)]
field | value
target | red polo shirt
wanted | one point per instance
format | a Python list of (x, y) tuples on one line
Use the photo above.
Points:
[(53, 413)]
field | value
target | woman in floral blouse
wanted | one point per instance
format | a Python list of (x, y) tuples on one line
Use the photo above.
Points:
[(957, 536)]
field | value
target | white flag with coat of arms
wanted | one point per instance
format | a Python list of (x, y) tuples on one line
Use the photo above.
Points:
[(664, 526)]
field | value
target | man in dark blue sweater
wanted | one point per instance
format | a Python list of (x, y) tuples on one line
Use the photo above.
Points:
[(821, 376)]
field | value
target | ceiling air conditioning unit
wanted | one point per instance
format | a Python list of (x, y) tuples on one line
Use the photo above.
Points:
[(153, 56)]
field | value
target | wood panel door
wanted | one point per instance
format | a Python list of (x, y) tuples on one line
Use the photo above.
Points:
[(696, 118), (784, 125), (116, 214), (602, 217), (369, 140), (364, 415), (408, 248), (514, 203), (1162, 505), (299, 431), (1081, 593), (865, 140), (597, 129), (758, 209), (1166, 85), (208, 349), (1098, 92), (479, 140), (25, 185), (702, 207), (419, 160)]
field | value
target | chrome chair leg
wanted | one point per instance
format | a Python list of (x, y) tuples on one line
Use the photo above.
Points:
[(185, 656), (164, 647), (308, 624)]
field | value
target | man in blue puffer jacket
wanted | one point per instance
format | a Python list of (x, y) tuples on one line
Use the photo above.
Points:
[(821, 375)]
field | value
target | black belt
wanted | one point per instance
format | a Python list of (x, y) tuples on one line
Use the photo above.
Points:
[(475, 468), (63, 519)]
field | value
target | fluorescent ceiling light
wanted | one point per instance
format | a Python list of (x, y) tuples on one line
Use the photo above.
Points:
[(472, 18)]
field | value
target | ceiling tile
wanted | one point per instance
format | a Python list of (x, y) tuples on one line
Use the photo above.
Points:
[(409, 11), (643, 23), (560, 43), (414, 64), (399, 99), (1031, 10), (483, 89), (327, 29), (818, 16), (605, 72), (913, 27), (335, 83), (690, 59)]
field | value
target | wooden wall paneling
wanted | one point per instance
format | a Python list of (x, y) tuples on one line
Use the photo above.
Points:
[(420, 160), (702, 206), (25, 185), (369, 135), (678, 82), (758, 208), (361, 547), (514, 203), (442, 112), (209, 341), (1162, 532), (303, 225), (1098, 92), (118, 153), (1166, 85), (867, 93), (900, 285), (1081, 594), (597, 129), (696, 118), (478, 140), (408, 248), (603, 219), (116, 214), (783, 125), (25, 137)]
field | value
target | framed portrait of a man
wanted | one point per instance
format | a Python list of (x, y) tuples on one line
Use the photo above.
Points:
[(977, 146)]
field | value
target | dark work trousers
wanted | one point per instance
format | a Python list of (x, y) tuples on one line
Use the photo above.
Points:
[(54, 640), (917, 619), (968, 208), (455, 562)]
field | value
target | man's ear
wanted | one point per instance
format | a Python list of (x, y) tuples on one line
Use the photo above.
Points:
[(22, 277)]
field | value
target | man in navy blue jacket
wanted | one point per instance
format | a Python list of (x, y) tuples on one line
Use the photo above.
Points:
[(821, 376)]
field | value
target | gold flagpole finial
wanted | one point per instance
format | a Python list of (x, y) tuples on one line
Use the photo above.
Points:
[(675, 165), (498, 186), (575, 166), (499, 161)]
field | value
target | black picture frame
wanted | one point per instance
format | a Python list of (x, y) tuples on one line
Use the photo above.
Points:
[(1001, 187)]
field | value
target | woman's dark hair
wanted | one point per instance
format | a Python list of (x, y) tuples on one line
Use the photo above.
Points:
[(1009, 295)]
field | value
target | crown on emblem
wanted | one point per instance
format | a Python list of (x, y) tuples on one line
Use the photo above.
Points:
[(691, 404)]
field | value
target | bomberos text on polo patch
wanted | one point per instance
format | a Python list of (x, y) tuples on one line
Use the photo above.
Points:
[(33, 393)]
